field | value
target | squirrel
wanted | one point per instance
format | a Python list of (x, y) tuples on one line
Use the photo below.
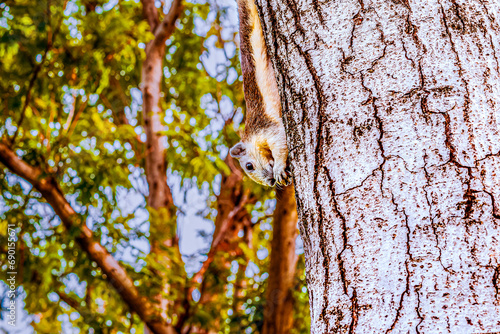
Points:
[(262, 151)]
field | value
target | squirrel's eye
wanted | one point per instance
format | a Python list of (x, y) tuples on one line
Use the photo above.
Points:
[(249, 167)]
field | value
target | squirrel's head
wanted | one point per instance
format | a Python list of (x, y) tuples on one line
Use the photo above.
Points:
[(257, 162)]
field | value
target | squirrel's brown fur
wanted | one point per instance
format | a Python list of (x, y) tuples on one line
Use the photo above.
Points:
[(262, 151)]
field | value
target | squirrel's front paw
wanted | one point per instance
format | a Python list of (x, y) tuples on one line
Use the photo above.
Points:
[(282, 175)]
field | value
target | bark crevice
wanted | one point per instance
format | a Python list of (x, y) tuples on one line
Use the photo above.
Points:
[(393, 110)]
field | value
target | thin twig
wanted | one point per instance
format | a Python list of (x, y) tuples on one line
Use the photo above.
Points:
[(36, 71)]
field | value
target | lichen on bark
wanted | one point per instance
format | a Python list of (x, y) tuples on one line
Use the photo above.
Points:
[(393, 109)]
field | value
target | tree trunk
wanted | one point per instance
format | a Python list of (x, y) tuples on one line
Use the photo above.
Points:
[(160, 198), (392, 111), (278, 314)]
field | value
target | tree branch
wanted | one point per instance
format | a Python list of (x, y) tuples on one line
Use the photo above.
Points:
[(37, 69), (117, 276), (160, 196), (216, 243), (152, 73), (150, 13), (167, 26), (73, 303), (231, 207), (163, 30)]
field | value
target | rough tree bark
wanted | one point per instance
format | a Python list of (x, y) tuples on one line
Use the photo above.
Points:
[(278, 314), (393, 109)]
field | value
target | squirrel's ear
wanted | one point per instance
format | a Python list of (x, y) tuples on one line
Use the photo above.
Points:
[(238, 150)]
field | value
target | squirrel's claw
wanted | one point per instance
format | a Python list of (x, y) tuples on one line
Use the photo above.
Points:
[(282, 175)]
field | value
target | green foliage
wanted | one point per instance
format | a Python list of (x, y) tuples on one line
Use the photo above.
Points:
[(70, 103)]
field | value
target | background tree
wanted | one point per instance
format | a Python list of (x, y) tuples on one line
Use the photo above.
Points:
[(393, 110), (103, 176)]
